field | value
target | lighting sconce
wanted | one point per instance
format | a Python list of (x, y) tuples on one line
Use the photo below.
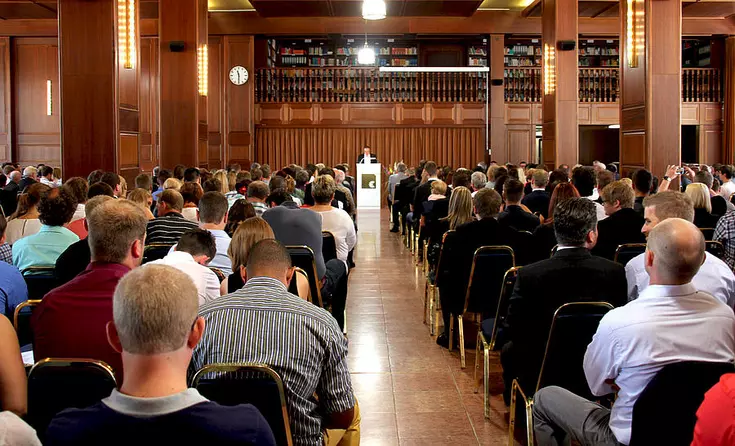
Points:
[(635, 31), (49, 104), (373, 9), (203, 69), (549, 69), (126, 32)]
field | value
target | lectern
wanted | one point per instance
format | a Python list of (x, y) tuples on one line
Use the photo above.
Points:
[(368, 186)]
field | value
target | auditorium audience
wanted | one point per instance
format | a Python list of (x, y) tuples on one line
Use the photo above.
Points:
[(670, 322), (642, 183), (191, 255), (513, 215), (77, 256), (240, 211), (623, 224), (13, 289), (703, 217), (544, 286), (191, 193), (24, 221), (334, 220), (720, 206), (170, 224), (144, 199), (714, 276), (257, 193), (537, 201), (55, 210), (70, 321), (270, 325), (152, 329), (544, 234)]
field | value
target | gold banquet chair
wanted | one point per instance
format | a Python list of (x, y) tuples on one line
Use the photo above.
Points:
[(626, 252), (22, 321), (572, 328), (431, 303)]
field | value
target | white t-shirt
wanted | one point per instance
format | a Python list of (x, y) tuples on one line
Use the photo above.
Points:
[(339, 223), (204, 278)]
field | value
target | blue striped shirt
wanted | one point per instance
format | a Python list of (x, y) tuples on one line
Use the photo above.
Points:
[(264, 323)]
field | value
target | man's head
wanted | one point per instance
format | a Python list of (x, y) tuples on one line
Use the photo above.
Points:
[(642, 182), (462, 178), (616, 196), (100, 188), (540, 178), (512, 192), (116, 231), (179, 170), (665, 205), (604, 177), (159, 320), (575, 223), (258, 191), (169, 201), (15, 176), (163, 175), (674, 252), (278, 197), (725, 173), (113, 180), (277, 182), (199, 243), (269, 258), (487, 203), (143, 181), (213, 209), (57, 207), (323, 189), (704, 177), (583, 178), (79, 188), (30, 172), (266, 171), (430, 168), (366, 150), (46, 172), (256, 174), (401, 167), (598, 166)]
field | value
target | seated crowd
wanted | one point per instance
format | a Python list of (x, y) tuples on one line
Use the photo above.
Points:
[(128, 276)]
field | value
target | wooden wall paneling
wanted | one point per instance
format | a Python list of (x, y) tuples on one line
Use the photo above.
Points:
[(710, 143), (497, 103), (149, 103), (690, 114), (520, 142), (6, 114), (711, 113), (604, 114), (216, 102), (518, 114), (239, 100), (584, 113), (36, 136)]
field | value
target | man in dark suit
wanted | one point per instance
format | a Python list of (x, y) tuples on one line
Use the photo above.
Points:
[(404, 194), (10, 193), (571, 275), (367, 157), (30, 176), (538, 199), (423, 191), (623, 224), (486, 231), (514, 216)]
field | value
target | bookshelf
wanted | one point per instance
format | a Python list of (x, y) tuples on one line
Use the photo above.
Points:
[(696, 53), (599, 53), (522, 53), (477, 54)]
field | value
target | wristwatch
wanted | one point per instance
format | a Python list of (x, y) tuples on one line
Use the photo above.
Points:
[(666, 177)]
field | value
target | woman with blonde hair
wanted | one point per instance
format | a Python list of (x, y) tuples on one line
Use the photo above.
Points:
[(24, 221), (144, 199), (460, 208), (699, 193), (171, 183), (250, 232), (123, 186)]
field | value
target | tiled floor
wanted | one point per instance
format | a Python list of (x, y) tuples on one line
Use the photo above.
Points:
[(411, 391)]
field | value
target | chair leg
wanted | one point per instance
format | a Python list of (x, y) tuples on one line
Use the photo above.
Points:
[(486, 379), (477, 361), (512, 420), (426, 299), (451, 331), (461, 341), (437, 310), (529, 421), (432, 304)]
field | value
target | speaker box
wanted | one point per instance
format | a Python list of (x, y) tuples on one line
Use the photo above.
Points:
[(177, 46), (496, 82), (566, 45)]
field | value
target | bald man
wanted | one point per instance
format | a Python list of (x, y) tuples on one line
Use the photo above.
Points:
[(669, 322)]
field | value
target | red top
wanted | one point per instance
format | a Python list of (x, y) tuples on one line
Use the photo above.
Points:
[(716, 416), (77, 227), (70, 321)]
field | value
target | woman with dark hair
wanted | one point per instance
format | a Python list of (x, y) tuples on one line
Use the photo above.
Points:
[(555, 177), (544, 234), (24, 220), (240, 211), (191, 192)]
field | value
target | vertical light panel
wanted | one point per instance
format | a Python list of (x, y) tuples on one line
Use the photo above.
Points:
[(126, 32), (549, 69), (49, 103), (203, 69), (635, 31)]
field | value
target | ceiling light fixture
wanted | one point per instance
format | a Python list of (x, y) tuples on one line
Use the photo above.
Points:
[(366, 55), (373, 9)]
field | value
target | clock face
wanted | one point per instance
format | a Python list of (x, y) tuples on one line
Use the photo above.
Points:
[(239, 75)]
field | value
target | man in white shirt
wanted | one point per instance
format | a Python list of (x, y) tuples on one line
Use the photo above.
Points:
[(584, 179), (714, 276), (728, 186), (194, 250), (670, 322), (334, 220)]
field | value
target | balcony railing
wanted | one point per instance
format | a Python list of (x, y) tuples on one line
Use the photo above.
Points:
[(275, 85), (521, 85)]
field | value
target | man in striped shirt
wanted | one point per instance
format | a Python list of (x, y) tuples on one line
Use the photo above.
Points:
[(263, 323), (168, 227)]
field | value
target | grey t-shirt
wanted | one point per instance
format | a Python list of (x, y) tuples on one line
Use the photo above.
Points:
[(294, 226)]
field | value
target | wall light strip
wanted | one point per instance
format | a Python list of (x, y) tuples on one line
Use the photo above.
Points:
[(126, 32), (434, 69), (49, 103), (203, 68)]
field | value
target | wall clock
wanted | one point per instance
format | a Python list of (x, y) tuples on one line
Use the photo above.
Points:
[(239, 75)]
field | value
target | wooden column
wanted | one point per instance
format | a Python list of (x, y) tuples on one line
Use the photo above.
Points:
[(99, 95), (728, 140), (182, 31), (240, 103), (497, 99), (650, 93), (560, 138)]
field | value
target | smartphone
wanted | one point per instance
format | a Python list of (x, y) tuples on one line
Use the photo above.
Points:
[(680, 171)]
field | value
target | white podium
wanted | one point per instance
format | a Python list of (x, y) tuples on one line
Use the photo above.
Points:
[(368, 186)]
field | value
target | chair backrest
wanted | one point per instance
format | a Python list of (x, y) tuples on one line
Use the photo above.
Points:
[(22, 321), (329, 246), (489, 266), (293, 286), (155, 251), (553, 250), (665, 412), (509, 282), (626, 252), (256, 384), (303, 257), (571, 331), (55, 384), (219, 273), (442, 265), (708, 233), (39, 280), (715, 248)]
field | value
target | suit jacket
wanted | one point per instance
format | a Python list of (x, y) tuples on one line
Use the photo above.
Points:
[(719, 205), (572, 275), (404, 192), (537, 201), (73, 261), (515, 217), (703, 219), (420, 196), (373, 160), (9, 198), (624, 226), (25, 182)]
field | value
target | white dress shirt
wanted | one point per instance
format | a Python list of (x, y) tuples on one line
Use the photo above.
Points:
[(339, 223), (665, 325), (221, 260), (714, 277), (80, 213), (727, 189), (204, 279)]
